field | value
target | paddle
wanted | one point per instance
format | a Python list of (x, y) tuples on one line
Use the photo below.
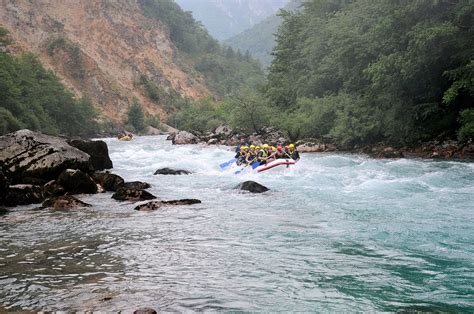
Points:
[(227, 163), (254, 165)]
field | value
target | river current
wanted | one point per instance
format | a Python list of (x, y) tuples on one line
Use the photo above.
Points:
[(335, 233)]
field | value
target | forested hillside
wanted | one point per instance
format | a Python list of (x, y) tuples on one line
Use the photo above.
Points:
[(259, 40), (362, 72), (365, 71), (110, 56), (32, 97), (224, 69)]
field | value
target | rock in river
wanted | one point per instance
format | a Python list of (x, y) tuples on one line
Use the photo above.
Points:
[(252, 186), (124, 194), (171, 171), (26, 154), (97, 150), (23, 194), (183, 137), (109, 181), (154, 205), (137, 185), (64, 202), (77, 182)]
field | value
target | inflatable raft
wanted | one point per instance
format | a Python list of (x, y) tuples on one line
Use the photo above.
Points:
[(275, 163), (125, 138)]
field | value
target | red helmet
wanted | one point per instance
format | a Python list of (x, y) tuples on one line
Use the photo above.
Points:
[(286, 147), (279, 147)]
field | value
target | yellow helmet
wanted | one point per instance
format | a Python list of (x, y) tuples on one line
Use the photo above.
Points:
[(257, 147), (291, 146), (252, 146), (265, 146), (274, 149), (246, 147)]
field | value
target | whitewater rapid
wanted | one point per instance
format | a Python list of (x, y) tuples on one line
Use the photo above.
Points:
[(335, 232)]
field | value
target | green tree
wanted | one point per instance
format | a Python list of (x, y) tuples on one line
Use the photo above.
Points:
[(135, 116)]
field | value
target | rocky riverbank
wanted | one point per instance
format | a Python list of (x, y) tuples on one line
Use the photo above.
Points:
[(42, 169), (224, 135)]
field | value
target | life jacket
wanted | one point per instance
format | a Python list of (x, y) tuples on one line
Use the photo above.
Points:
[(294, 154), (263, 154), (280, 155)]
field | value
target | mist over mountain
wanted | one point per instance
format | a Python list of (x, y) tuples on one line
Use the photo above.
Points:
[(260, 40), (226, 18)]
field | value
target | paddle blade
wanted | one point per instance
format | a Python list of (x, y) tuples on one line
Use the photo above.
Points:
[(255, 165), (227, 163)]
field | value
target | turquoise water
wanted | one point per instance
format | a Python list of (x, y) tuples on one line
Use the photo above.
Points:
[(335, 233)]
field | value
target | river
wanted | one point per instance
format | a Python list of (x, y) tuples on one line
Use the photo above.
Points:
[(335, 233)]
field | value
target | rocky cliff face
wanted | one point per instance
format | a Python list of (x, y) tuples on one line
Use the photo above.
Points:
[(101, 49)]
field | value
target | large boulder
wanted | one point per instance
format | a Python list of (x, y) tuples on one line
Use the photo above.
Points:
[(64, 202), (171, 171), (77, 182), (154, 205), (184, 137), (97, 150), (252, 186), (23, 194), (108, 181), (25, 154), (134, 195)]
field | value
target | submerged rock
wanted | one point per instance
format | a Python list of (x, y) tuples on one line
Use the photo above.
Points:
[(134, 195), (27, 154), (252, 186), (97, 150), (154, 205), (77, 182), (145, 310), (171, 171), (23, 194), (64, 202), (109, 181), (137, 185)]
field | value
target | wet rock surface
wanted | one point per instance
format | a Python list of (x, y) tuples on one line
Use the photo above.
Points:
[(252, 187), (98, 152), (145, 310), (77, 182), (155, 205), (108, 181), (27, 154), (64, 202), (171, 171), (137, 185), (134, 195), (53, 188), (23, 194)]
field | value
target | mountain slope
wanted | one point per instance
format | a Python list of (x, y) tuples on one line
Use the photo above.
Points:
[(101, 49), (259, 40), (226, 18)]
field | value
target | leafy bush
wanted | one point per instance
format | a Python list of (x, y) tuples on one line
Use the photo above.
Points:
[(466, 132)]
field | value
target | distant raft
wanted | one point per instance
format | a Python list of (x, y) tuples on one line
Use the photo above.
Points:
[(275, 163), (125, 138)]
